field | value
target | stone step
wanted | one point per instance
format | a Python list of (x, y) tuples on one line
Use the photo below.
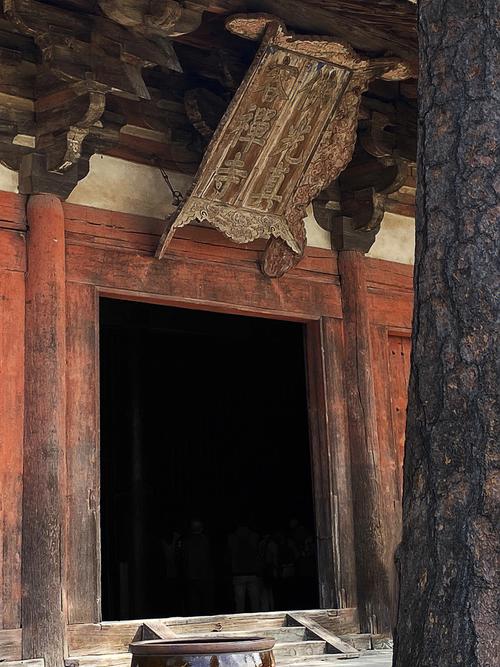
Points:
[(285, 650), (315, 631), (364, 659), (361, 642), (106, 660), (112, 637), (123, 660), (285, 634), (382, 658), (316, 660)]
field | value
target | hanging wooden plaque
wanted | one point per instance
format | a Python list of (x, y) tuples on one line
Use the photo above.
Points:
[(271, 152)]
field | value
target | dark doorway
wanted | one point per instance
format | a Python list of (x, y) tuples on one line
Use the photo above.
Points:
[(206, 493)]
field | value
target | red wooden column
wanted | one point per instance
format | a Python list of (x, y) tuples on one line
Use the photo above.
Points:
[(43, 617), (371, 570), (12, 271)]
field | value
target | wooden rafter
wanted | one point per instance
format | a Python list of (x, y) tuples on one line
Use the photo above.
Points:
[(67, 92)]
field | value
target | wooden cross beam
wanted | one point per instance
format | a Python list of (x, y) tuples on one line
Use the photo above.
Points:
[(76, 61)]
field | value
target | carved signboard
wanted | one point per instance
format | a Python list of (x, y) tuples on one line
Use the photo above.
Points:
[(272, 152)]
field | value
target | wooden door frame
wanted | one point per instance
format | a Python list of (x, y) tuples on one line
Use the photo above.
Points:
[(111, 255), (328, 451), (328, 443)]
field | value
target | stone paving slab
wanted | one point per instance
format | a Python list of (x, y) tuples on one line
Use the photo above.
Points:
[(381, 658), (370, 659)]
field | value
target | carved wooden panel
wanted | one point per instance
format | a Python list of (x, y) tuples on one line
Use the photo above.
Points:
[(289, 131)]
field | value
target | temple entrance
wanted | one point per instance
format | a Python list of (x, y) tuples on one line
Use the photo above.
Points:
[(206, 492)]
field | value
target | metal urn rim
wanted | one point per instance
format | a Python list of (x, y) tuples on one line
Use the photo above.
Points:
[(159, 647)]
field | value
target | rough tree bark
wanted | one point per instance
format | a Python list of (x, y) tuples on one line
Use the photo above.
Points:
[(448, 602)]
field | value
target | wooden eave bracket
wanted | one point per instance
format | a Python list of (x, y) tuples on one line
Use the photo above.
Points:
[(156, 18), (289, 131), (353, 211), (83, 60)]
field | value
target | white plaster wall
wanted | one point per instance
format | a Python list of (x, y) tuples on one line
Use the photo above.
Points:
[(316, 235), (119, 185), (395, 240), (8, 179)]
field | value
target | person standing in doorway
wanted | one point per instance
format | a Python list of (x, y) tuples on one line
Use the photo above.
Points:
[(243, 546), (173, 592), (268, 558), (198, 570)]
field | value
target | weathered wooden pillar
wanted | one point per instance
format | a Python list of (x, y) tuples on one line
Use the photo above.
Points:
[(331, 464), (43, 617), (12, 271), (371, 571)]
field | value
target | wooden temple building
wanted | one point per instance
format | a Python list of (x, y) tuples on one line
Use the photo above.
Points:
[(206, 221)]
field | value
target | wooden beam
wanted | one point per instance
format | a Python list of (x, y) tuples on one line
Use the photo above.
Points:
[(202, 284), (43, 618), (394, 30), (157, 21), (334, 644), (372, 575)]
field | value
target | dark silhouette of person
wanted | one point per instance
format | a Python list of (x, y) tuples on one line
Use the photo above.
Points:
[(243, 546), (268, 557), (287, 556), (173, 591), (198, 570)]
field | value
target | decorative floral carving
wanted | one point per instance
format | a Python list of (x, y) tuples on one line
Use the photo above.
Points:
[(240, 225), (333, 154)]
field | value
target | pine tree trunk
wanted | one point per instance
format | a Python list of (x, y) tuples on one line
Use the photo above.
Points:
[(448, 611)]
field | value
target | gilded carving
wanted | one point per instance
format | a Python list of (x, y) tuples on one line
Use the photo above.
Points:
[(278, 81), (231, 172)]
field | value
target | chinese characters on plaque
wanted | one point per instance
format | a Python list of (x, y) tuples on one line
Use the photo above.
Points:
[(255, 179)]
